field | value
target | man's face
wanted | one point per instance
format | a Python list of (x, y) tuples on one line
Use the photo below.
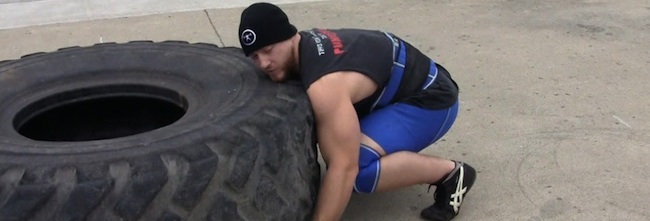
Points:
[(275, 60)]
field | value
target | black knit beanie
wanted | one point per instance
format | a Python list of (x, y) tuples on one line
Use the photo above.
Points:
[(263, 24)]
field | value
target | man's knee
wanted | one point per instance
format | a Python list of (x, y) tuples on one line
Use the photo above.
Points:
[(369, 168)]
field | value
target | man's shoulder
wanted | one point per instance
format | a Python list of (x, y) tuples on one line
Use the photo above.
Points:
[(352, 84)]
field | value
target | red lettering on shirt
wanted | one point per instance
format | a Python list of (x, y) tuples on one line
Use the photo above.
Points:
[(337, 44)]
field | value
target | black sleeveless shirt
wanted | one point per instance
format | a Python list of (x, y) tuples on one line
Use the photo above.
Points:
[(369, 52)]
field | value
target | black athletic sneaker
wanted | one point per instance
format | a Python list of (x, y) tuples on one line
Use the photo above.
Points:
[(450, 193)]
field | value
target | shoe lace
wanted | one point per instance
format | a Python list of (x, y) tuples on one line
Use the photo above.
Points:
[(438, 195), (429, 189)]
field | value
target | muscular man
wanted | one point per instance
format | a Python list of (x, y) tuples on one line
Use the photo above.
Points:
[(378, 101)]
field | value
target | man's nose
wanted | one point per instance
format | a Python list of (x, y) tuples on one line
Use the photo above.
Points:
[(264, 63)]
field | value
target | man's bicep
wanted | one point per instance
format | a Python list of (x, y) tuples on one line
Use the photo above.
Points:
[(324, 96), (337, 124), (328, 99)]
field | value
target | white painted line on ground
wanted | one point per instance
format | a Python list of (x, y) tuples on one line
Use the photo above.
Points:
[(623, 122), (22, 13)]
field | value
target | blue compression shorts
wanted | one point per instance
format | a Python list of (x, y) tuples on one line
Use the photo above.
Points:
[(403, 127), (398, 127)]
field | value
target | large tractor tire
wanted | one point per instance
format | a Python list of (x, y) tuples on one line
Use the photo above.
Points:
[(152, 131)]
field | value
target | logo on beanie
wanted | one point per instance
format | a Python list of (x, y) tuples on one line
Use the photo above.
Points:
[(248, 37)]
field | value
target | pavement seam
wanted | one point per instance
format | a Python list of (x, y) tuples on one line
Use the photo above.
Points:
[(214, 28)]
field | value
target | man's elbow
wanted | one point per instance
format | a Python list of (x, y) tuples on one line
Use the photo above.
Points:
[(349, 169)]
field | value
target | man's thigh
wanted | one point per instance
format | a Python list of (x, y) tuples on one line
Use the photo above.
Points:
[(404, 127)]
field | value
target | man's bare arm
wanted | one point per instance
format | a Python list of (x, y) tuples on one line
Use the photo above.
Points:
[(339, 136)]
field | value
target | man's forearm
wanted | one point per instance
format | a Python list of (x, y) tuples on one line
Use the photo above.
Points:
[(334, 194)]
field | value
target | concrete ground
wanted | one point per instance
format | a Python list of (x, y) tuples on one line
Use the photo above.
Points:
[(553, 103)]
